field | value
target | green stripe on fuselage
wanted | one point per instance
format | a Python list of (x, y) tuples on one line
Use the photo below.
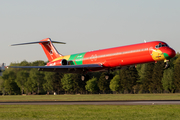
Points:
[(77, 59), (167, 56)]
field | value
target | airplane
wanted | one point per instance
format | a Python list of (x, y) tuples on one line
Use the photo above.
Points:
[(102, 60)]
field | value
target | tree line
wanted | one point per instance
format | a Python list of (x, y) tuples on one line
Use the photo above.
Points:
[(144, 78)]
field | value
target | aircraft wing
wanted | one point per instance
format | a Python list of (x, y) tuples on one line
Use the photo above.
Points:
[(64, 68)]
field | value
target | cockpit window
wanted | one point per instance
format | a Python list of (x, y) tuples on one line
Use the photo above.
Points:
[(165, 45), (160, 45)]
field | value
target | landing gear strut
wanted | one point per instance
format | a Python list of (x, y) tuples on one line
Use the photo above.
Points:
[(84, 77), (107, 76), (167, 64)]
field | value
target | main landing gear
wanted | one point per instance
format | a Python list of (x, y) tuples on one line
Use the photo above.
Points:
[(108, 75), (84, 77)]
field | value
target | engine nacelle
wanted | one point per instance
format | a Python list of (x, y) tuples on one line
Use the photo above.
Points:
[(58, 62)]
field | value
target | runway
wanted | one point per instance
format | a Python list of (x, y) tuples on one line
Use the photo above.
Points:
[(137, 102)]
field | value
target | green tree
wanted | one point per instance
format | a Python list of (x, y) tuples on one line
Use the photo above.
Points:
[(168, 80), (38, 63), (142, 72), (91, 85), (67, 82), (129, 78), (124, 81), (31, 86), (48, 83), (147, 78), (76, 83), (52, 82), (157, 74), (35, 81), (1, 84), (103, 84), (134, 78), (115, 84), (57, 84), (21, 79), (177, 74), (24, 63), (81, 84), (72, 83), (9, 84)]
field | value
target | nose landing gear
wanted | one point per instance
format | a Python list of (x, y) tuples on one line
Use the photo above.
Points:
[(166, 64)]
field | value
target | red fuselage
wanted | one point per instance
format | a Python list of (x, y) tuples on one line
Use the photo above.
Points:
[(122, 56)]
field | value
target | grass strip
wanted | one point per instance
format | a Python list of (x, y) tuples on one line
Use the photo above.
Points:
[(93, 97), (89, 112)]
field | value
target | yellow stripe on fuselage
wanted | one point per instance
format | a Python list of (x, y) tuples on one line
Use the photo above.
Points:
[(63, 57)]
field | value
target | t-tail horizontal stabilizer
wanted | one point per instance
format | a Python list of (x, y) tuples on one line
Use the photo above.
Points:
[(48, 48), (39, 42)]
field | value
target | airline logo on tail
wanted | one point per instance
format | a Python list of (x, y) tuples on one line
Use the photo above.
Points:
[(49, 49)]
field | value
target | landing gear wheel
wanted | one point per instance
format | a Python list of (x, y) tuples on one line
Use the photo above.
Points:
[(106, 77), (83, 77)]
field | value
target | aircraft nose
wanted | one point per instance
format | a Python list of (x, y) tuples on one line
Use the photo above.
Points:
[(170, 53)]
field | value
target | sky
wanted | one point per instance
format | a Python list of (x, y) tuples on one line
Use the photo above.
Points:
[(84, 25)]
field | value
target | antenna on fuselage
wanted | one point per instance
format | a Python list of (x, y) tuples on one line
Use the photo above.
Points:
[(144, 41)]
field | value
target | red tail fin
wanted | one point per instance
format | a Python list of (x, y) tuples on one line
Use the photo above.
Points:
[(49, 49)]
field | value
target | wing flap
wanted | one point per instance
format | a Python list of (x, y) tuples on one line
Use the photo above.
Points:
[(64, 68)]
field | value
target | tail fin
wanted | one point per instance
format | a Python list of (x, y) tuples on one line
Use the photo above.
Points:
[(48, 48)]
